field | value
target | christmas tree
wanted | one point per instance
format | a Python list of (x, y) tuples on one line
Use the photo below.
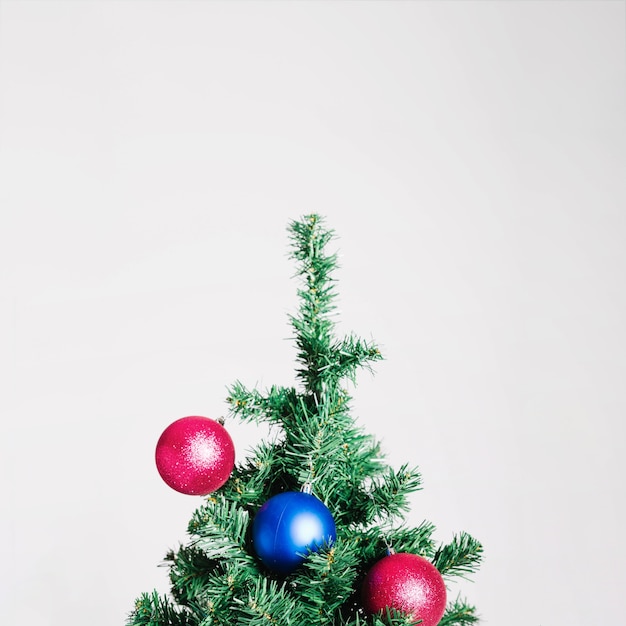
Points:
[(310, 528)]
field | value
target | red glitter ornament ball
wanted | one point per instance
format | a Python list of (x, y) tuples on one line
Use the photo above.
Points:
[(195, 455), (407, 583)]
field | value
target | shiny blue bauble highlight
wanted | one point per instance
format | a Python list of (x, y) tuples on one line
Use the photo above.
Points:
[(288, 526)]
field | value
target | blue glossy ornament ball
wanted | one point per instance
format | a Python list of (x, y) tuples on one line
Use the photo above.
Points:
[(288, 526)]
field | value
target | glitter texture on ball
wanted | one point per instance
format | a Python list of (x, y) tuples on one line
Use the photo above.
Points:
[(195, 455), (407, 583)]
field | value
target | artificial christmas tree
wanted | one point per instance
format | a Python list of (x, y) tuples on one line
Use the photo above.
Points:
[(302, 531)]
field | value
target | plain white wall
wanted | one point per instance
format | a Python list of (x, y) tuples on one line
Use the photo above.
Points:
[(470, 156)]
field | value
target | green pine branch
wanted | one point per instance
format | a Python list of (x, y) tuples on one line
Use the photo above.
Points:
[(461, 557), (329, 576), (251, 405), (323, 360), (348, 355), (390, 494), (190, 573), (267, 603), (459, 613), (220, 601), (254, 480), (373, 542), (220, 529), (392, 617), (155, 610)]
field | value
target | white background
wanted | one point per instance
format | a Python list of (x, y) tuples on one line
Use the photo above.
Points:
[(470, 156)]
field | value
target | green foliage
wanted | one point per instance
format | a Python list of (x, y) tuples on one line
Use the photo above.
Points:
[(268, 602), (220, 529), (274, 407), (216, 579), (154, 610), (460, 557), (376, 539), (459, 613)]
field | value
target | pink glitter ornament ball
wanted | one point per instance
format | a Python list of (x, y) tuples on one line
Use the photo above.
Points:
[(407, 583), (195, 455)]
